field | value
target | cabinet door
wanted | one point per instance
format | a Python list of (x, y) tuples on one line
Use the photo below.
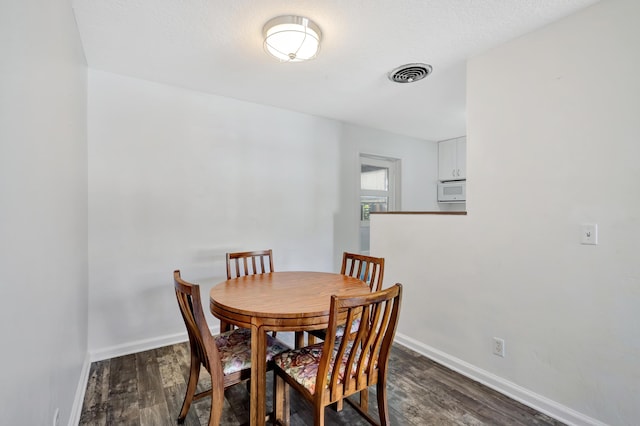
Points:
[(461, 158), (447, 160)]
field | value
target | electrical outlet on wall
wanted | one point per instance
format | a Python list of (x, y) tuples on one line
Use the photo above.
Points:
[(589, 234), (498, 346)]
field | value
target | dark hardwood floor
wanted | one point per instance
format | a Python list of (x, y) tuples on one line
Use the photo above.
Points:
[(147, 388)]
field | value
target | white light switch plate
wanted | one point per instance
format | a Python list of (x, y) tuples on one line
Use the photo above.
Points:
[(589, 234)]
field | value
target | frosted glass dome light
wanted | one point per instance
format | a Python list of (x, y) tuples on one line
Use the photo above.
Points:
[(292, 38)]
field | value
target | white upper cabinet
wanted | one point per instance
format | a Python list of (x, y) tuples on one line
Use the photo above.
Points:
[(452, 159)]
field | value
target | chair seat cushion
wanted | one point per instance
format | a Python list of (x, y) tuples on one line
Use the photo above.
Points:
[(355, 325), (302, 364), (339, 330), (235, 349)]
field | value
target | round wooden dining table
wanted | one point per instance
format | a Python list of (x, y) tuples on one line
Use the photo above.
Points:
[(277, 301)]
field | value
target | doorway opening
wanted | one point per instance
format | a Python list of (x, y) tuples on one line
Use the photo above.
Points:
[(379, 191)]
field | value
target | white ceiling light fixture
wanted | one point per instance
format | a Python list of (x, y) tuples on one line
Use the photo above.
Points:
[(292, 38)]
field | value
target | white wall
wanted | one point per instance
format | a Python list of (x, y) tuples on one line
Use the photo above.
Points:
[(43, 211), (553, 143), (177, 178)]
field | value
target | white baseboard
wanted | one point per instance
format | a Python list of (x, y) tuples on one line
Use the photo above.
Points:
[(76, 409), (138, 346), (505, 387)]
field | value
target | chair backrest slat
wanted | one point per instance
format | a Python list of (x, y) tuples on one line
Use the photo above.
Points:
[(373, 345), (245, 263), (367, 268)]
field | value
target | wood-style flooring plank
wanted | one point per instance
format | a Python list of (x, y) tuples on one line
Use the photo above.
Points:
[(123, 377), (174, 395), (171, 365), (96, 395), (149, 380), (123, 410), (155, 415)]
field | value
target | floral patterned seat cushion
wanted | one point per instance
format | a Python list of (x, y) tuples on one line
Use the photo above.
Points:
[(302, 364), (235, 349), (354, 328)]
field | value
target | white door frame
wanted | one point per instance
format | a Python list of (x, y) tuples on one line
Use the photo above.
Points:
[(392, 193)]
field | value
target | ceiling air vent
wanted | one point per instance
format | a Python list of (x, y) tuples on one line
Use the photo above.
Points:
[(410, 72)]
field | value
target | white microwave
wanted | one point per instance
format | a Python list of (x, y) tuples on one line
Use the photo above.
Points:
[(452, 192)]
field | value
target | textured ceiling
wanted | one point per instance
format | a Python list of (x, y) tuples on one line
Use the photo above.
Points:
[(215, 46)]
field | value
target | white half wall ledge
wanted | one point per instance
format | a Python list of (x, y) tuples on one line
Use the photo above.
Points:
[(531, 399)]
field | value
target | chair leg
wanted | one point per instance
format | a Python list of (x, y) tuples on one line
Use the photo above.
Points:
[(364, 400), (217, 402), (281, 407), (383, 410), (299, 337), (194, 374), (318, 414)]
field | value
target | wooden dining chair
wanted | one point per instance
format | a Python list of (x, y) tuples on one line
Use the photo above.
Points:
[(249, 263), (227, 356), (329, 372), (370, 270), (367, 268), (245, 263)]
